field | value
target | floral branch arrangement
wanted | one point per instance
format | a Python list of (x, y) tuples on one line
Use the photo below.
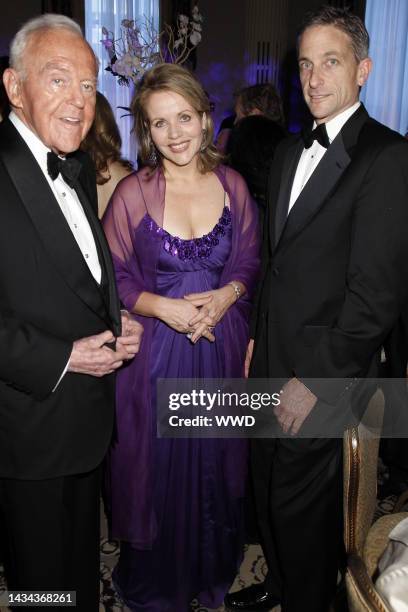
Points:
[(176, 50), (140, 46)]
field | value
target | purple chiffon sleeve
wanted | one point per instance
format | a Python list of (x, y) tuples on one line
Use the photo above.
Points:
[(129, 466), (242, 265), (134, 265)]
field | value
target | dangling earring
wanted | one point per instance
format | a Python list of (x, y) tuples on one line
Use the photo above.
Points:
[(153, 159), (203, 143)]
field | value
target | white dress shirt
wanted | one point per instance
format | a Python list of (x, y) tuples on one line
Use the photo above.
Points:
[(311, 157), (67, 199)]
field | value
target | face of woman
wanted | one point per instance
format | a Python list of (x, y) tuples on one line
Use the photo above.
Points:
[(175, 126)]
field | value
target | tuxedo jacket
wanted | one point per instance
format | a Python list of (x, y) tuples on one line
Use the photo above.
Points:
[(335, 270), (49, 299)]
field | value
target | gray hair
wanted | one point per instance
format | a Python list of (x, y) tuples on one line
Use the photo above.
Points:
[(342, 19), (48, 21)]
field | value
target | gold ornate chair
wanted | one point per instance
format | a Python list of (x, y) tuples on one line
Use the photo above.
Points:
[(364, 542)]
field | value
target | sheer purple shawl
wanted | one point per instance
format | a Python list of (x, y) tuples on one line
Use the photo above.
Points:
[(135, 257)]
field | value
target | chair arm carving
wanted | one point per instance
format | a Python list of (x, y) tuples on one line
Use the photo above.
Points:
[(364, 586)]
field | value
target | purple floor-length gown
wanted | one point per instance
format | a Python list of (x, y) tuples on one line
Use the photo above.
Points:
[(176, 504), (199, 541)]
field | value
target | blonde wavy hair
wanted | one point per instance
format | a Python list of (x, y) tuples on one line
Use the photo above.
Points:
[(175, 78)]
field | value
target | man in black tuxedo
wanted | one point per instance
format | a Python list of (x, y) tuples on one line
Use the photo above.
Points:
[(62, 335), (334, 282)]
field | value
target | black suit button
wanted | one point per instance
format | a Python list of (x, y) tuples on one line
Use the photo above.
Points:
[(275, 271)]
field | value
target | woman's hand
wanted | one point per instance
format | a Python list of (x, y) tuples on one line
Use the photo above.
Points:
[(213, 305), (177, 314)]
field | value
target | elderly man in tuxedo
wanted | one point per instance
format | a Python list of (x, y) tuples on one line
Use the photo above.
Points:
[(334, 283), (62, 335)]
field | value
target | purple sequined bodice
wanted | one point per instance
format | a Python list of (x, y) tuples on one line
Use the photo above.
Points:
[(195, 248)]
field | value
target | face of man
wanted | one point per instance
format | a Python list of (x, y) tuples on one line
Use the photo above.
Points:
[(55, 95), (329, 72)]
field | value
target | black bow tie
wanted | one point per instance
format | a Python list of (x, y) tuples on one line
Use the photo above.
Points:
[(319, 134), (69, 168)]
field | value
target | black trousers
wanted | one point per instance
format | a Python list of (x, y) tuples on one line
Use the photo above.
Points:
[(298, 497), (298, 488), (52, 535)]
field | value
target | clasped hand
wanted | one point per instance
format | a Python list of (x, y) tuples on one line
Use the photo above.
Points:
[(91, 356), (198, 313), (180, 313), (212, 306)]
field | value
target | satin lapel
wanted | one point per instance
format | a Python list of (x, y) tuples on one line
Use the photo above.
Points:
[(288, 174), (113, 305), (316, 190), (325, 177), (47, 218)]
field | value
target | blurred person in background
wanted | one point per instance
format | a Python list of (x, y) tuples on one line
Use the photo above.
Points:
[(261, 99), (224, 132), (103, 143), (257, 131)]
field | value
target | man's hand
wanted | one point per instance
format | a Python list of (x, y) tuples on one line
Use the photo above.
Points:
[(131, 336), (296, 403), (90, 356)]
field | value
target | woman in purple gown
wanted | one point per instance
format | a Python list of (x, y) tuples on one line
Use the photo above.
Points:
[(184, 238)]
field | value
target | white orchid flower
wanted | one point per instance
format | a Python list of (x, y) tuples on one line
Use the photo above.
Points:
[(195, 38)]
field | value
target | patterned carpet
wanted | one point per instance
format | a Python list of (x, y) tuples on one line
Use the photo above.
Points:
[(252, 570)]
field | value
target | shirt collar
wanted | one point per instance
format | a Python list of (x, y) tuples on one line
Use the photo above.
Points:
[(36, 146), (334, 126)]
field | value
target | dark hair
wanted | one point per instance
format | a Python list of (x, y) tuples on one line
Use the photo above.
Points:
[(263, 97), (345, 21), (103, 142), (172, 77)]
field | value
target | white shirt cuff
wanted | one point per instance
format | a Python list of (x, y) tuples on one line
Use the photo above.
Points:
[(62, 375)]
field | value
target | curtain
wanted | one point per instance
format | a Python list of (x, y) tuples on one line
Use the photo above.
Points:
[(110, 13), (386, 92)]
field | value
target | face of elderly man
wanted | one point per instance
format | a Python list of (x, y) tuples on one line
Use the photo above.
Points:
[(55, 95)]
